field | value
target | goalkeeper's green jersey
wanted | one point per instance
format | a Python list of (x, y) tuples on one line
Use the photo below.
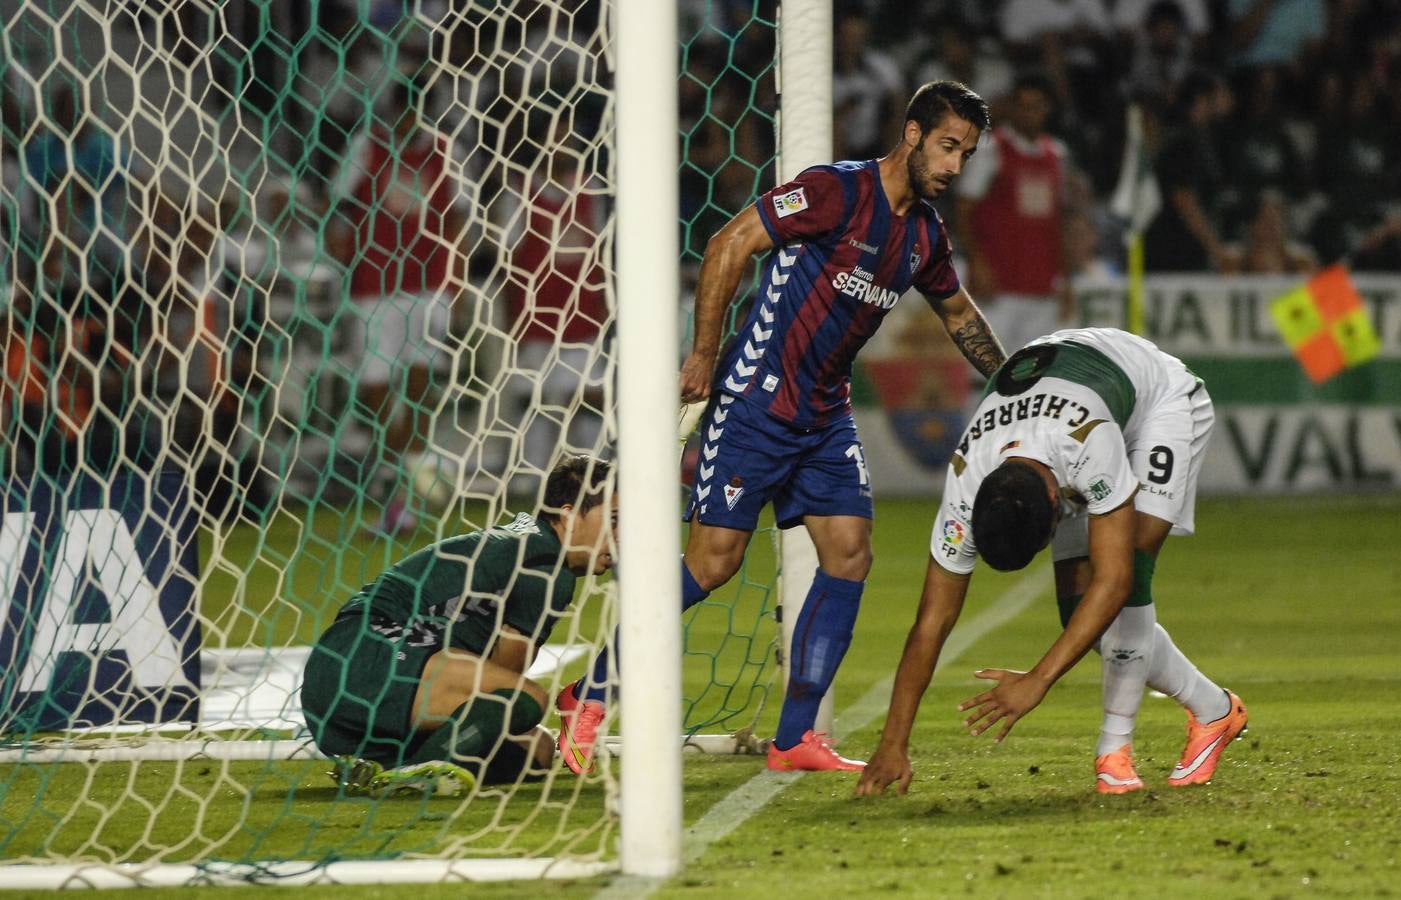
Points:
[(461, 590)]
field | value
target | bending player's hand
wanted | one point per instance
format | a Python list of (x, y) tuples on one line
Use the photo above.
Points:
[(1016, 694), (887, 766), (696, 372)]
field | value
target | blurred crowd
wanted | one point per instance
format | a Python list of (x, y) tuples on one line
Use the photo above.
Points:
[(441, 166), (1264, 120)]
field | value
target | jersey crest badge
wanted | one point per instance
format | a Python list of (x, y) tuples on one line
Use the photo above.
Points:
[(733, 490), (795, 201), (953, 532)]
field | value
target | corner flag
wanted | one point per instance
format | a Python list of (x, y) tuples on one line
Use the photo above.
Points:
[(1326, 325), (1136, 200)]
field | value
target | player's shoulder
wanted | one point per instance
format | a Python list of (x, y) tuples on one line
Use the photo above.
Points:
[(543, 549), (523, 542), (831, 189), (832, 174), (523, 529), (524, 524), (849, 166), (464, 547)]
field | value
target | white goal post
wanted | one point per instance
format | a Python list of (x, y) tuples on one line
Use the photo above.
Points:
[(649, 534), (805, 139)]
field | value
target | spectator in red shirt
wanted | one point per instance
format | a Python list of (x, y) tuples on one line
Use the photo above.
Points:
[(1011, 206), (553, 216), (401, 209)]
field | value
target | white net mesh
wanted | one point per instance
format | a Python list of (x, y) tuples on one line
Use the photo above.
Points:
[(289, 291)]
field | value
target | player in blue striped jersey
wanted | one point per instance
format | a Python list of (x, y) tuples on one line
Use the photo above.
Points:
[(844, 243)]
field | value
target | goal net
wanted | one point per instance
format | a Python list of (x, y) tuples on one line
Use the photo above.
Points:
[(289, 291)]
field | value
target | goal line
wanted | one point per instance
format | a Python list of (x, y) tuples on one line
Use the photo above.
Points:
[(250, 690)]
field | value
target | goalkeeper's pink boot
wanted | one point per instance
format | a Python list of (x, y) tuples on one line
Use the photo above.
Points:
[(812, 754), (578, 731), (1205, 744)]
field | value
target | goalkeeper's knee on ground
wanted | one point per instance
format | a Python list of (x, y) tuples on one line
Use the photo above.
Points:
[(477, 726)]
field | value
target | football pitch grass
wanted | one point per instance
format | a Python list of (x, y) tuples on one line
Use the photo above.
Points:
[(1295, 603)]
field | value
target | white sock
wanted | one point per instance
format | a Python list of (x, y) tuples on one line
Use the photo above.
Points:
[(1126, 649), (1173, 674)]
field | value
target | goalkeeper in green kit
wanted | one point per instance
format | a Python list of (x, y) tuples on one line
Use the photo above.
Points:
[(419, 683)]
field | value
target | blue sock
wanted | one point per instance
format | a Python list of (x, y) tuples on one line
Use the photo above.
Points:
[(820, 639), (594, 686), (691, 592)]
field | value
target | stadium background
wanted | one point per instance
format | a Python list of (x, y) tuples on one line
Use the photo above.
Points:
[(1302, 105)]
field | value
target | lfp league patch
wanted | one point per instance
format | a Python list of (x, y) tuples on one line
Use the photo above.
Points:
[(795, 201)]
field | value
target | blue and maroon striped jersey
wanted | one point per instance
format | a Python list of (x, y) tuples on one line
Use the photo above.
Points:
[(843, 259)]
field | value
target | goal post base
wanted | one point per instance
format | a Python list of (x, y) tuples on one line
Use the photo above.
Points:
[(156, 749), (91, 876)]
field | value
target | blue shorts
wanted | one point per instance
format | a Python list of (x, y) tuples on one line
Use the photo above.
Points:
[(748, 458)]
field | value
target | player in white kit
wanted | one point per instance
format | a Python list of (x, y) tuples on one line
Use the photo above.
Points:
[(1090, 440)]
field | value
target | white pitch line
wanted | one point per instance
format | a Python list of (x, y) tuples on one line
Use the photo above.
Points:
[(743, 802), (1017, 598)]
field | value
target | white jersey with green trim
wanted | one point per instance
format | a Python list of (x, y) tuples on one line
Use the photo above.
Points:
[(1071, 400)]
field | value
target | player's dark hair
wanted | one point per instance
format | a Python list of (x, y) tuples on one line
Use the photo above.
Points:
[(936, 99), (1012, 516), (576, 481)]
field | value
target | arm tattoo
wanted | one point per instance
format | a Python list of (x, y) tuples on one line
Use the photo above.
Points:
[(979, 346)]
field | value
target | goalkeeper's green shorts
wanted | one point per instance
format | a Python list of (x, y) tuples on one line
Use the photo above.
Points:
[(358, 691)]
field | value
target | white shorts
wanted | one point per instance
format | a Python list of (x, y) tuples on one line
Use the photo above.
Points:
[(1165, 454), (396, 332)]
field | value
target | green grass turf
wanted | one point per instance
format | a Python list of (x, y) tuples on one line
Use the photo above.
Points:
[(1292, 602)]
